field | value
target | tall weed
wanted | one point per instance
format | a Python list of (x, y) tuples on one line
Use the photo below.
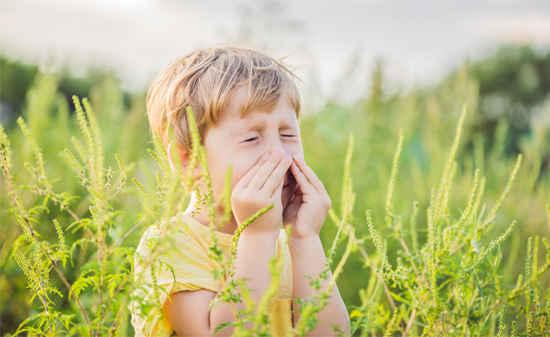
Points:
[(419, 245)]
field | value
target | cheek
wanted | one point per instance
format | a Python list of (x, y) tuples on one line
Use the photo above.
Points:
[(240, 169), (294, 147), (218, 169)]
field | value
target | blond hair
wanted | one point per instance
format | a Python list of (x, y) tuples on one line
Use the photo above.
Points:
[(206, 79)]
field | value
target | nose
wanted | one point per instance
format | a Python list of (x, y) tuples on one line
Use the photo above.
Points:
[(277, 145)]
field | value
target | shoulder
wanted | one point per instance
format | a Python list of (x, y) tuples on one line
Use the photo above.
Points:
[(173, 238), (177, 252)]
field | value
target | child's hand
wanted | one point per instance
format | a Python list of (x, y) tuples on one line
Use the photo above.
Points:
[(311, 203), (260, 187)]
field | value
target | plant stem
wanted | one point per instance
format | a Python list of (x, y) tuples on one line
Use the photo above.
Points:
[(125, 235), (386, 289), (18, 207), (411, 321), (116, 317)]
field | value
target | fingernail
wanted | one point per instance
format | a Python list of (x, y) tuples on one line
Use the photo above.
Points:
[(276, 154), (287, 158), (266, 156)]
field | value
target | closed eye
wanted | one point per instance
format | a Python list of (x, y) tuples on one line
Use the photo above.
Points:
[(254, 138)]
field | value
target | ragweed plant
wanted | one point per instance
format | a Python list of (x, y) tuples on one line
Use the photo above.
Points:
[(107, 274), (450, 285), (444, 278)]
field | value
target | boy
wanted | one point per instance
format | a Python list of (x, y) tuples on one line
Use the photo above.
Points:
[(246, 106)]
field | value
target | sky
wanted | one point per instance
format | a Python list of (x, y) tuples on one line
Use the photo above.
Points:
[(333, 44)]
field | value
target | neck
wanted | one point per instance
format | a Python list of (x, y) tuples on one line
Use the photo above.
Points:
[(202, 216)]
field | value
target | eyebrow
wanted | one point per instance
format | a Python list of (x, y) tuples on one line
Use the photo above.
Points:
[(260, 126)]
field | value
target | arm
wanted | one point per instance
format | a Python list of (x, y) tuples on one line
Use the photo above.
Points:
[(306, 212), (308, 258), (260, 187), (188, 312), (251, 262)]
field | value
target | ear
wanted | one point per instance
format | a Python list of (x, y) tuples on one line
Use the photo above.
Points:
[(183, 161)]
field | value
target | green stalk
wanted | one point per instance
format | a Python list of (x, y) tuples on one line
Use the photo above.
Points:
[(390, 216)]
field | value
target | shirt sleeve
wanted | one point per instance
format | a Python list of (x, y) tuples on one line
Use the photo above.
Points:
[(181, 264)]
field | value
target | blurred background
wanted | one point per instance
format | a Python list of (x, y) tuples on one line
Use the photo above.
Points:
[(368, 67)]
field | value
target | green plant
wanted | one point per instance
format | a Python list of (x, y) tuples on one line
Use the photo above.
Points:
[(437, 276)]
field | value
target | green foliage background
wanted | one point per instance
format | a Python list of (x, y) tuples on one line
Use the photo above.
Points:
[(508, 100)]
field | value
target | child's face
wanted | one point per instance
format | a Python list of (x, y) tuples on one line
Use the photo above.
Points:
[(240, 142)]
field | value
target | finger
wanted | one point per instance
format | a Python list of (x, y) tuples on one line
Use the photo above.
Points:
[(294, 188), (245, 180), (265, 171), (310, 175), (297, 197), (305, 186), (288, 193), (277, 192), (296, 200), (276, 179)]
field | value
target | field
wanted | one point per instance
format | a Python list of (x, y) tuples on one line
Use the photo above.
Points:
[(440, 221)]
